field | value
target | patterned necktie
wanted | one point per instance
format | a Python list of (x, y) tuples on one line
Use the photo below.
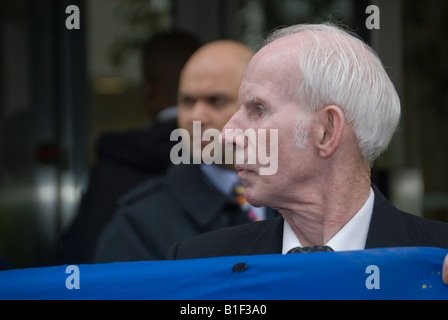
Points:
[(238, 191), (310, 249)]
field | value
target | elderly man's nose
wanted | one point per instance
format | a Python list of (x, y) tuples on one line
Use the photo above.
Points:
[(229, 132)]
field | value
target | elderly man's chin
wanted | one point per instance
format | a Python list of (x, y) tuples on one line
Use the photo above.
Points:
[(254, 197), (250, 181)]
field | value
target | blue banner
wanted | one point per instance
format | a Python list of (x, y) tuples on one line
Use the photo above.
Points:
[(390, 273)]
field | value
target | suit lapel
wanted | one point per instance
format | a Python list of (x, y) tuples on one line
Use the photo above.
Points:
[(202, 202), (387, 225), (269, 237)]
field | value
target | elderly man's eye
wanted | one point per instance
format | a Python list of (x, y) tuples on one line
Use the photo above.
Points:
[(259, 109)]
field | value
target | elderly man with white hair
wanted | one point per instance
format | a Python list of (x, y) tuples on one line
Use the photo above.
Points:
[(335, 110)]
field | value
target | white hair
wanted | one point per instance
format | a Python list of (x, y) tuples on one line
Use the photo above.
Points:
[(340, 69)]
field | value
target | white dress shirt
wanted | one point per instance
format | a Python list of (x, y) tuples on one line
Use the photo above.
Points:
[(351, 237)]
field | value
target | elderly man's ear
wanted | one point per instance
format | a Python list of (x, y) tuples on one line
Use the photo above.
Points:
[(331, 122)]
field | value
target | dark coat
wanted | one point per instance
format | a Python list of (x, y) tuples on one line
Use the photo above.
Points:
[(389, 227), (161, 212), (124, 161)]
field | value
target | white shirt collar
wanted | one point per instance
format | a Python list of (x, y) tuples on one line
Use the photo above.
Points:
[(351, 237)]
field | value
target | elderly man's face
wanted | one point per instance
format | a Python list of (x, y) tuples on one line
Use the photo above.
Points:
[(268, 102)]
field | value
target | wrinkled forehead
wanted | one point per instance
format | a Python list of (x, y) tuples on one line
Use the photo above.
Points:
[(275, 65), (283, 54), (277, 57)]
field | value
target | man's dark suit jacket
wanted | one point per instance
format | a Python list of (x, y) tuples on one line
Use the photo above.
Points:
[(160, 212), (389, 227)]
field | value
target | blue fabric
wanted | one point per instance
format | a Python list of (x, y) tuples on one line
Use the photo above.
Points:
[(403, 273)]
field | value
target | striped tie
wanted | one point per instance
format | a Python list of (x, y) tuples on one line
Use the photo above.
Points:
[(310, 249), (238, 191)]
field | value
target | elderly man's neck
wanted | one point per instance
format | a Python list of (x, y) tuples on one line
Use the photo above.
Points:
[(327, 204)]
